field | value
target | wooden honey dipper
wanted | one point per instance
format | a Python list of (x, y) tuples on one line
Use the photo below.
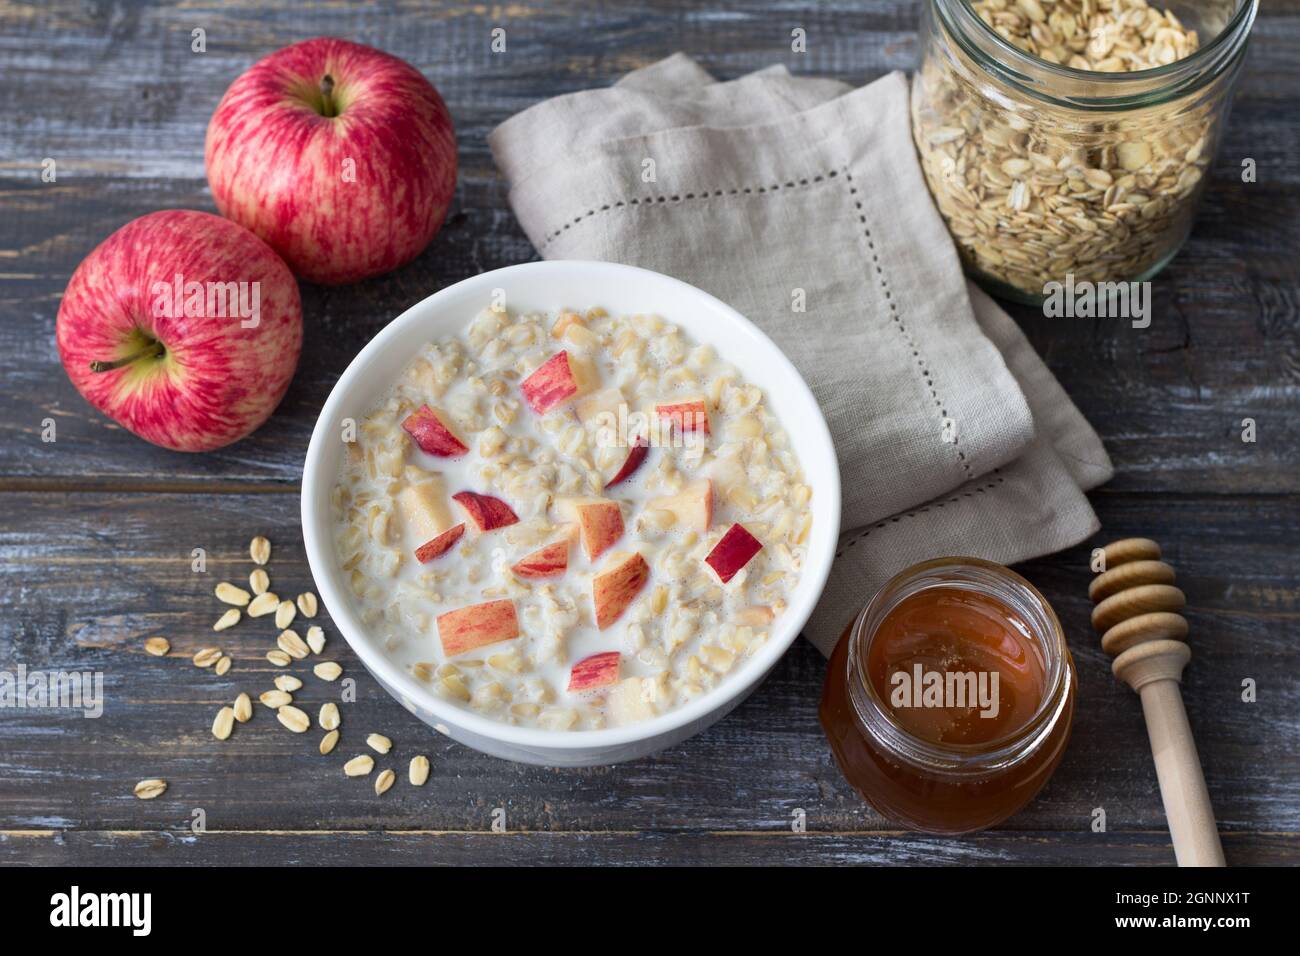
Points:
[(1136, 615)]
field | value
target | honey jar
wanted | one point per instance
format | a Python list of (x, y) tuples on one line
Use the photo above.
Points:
[(949, 699)]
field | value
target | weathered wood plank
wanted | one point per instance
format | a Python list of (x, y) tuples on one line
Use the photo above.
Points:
[(1169, 400), (642, 848), (118, 570)]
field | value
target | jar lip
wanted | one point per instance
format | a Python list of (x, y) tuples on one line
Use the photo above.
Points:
[(1121, 90), (1007, 749)]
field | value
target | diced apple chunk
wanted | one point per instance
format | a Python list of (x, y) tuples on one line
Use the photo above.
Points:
[(635, 456), (600, 407), (599, 521), (628, 703), (598, 670), (551, 385), (733, 552), (614, 589), (756, 615), (477, 626), (486, 511), (423, 507), (548, 562), (565, 320), (439, 545), (686, 414), (432, 433), (693, 505)]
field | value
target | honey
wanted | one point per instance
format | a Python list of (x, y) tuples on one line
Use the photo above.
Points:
[(948, 701)]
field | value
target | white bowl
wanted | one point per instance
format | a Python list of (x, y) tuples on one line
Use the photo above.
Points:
[(549, 286)]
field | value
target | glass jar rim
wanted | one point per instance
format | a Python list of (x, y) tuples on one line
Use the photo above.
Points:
[(994, 754), (1089, 89)]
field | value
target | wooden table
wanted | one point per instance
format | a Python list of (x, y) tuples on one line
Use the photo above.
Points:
[(98, 526)]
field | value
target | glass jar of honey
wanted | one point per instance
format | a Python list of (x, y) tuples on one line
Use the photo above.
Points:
[(948, 701)]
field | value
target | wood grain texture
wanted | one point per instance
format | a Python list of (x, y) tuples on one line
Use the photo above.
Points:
[(98, 527)]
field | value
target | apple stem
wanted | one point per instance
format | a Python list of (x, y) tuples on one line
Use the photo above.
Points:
[(149, 351), (327, 107)]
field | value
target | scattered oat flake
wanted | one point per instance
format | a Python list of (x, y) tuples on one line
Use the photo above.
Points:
[(359, 766), (278, 658), (419, 770), (379, 743), (384, 781), (207, 656), (224, 723), (243, 708), (293, 718), (227, 593), (157, 646), (264, 604), (288, 682), (284, 614), (327, 670), (315, 639), (259, 581), (329, 716), (229, 619), (329, 742), (222, 665), (259, 549), (307, 604), (275, 699), (149, 789)]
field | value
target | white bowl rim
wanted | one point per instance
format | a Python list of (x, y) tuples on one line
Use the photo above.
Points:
[(320, 550)]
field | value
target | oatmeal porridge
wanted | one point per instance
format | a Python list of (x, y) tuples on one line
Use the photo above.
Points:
[(571, 522)]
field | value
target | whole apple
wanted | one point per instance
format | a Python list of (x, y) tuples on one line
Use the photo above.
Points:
[(183, 327), (340, 156)]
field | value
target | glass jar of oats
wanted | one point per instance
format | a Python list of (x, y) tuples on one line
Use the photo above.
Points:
[(1069, 139)]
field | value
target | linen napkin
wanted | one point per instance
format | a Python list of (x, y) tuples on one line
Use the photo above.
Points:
[(800, 202)]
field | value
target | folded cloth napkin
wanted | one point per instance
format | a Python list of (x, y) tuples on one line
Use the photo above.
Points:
[(800, 202)]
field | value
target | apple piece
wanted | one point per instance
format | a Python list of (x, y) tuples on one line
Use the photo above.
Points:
[(733, 552), (600, 407), (439, 545), (686, 414), (478, 625), (565, 320), (635, 456), (614, 589), (431, 433), (599, 521), (423, 507), (551, 385), (756, 615), (182, 327), (548, 562), (598, 670), (486, 511), (286, 128), (627, 701), (693, 505)]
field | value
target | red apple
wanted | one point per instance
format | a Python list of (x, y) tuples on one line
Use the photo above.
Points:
[(733, 552), (599, 521), (440, 545), (635, 456), (431, 433), (552, 384), (598, 670), (476, 626), (548, 562), (191, 371), (686, 414), (487, 512), (340, 156), (614, 589)]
